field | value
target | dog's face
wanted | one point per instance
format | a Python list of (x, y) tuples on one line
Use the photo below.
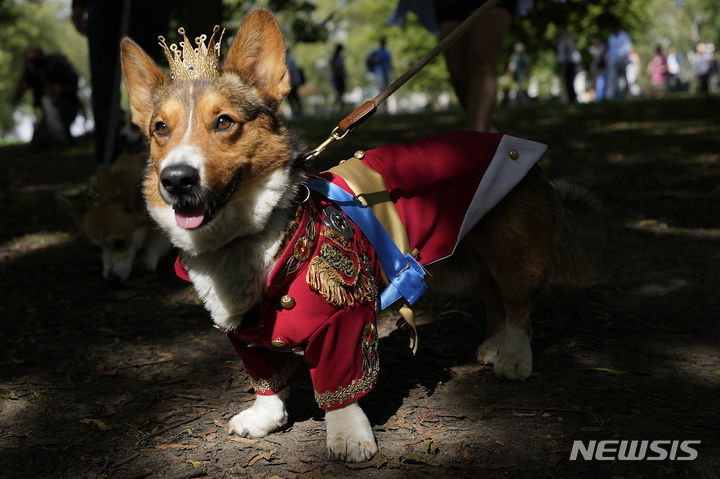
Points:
[(116, 225), (118, 233), (219, 153), (110, 213)]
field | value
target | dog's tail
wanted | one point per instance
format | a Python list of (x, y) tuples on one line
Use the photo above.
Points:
[(579, 235)]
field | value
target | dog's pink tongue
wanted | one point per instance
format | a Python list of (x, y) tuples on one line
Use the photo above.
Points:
[(188, 221)]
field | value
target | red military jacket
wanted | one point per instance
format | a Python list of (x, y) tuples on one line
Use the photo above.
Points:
[(322, 294)]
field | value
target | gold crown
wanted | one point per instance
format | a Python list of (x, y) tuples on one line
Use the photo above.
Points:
[(200, 62)]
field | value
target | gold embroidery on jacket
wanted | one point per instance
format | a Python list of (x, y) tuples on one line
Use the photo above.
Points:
[(370, 371), (278, 380), (337, 274), (301, 252)]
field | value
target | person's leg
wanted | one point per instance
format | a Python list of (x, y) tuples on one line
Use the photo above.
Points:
[(456, 61), (472, 64), (103, 34), (600, 87), (570, 82), (485, 44)]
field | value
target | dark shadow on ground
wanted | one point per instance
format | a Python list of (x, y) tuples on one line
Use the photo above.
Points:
[(133, 382)]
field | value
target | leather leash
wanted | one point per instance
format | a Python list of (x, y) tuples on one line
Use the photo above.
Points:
[(364, 111)]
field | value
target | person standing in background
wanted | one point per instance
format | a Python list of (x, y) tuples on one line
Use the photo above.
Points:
[(673, 69), (379, 62), (104, 23), (598, 68), (568, 59), (702, 66), (619, 47), (338, 75), (657, 69), (53, 81), (297, 79), (519, 69)]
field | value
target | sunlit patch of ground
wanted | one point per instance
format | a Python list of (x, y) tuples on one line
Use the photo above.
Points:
[(32, 242)]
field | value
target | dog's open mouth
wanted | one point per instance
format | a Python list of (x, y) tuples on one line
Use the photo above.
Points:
[(190, 218), (193, 205)]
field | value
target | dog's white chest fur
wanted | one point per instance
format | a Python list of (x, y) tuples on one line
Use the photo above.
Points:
[(231, 280)]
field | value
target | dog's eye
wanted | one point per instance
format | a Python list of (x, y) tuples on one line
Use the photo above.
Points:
[(223, 122), (161, 129)]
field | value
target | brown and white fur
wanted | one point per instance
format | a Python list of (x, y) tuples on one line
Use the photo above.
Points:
[(111, 214), (222, 184)]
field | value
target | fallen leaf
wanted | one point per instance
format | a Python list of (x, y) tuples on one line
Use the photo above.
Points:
[(466, 452), (523, 414), (189, 396), (503, 465), (101, 425), (263, 455), (414, 441), (377, 462), (429, 447), (414, 458), (195, 463), (12, 395), (162, 447)]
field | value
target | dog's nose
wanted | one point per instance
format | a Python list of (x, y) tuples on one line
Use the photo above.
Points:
[(179, 179)]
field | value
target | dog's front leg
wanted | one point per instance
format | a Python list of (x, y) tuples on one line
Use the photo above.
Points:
[(266, 415), (349, 435)]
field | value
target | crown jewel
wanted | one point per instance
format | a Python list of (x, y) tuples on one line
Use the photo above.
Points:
[(189, 63)]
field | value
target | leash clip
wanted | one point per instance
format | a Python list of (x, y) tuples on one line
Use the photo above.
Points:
[(335, 135)]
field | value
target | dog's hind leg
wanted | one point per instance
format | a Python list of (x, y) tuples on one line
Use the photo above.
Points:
[(266, 415), (518, 276), (349, 435)]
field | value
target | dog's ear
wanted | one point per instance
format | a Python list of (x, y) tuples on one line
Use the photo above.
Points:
[(258, 55), (142, 77), (75, 205)]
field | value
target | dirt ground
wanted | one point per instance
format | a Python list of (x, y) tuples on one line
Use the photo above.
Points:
[(133, 382)]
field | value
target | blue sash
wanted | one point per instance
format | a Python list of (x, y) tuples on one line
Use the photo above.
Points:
[(402, 270)]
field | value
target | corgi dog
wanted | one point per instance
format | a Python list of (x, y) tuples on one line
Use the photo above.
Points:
[(111, 214), (283, 269)]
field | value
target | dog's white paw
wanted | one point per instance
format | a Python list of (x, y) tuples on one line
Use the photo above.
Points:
[(514, 360), (266, 415), (489, 351), (349, 435)]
